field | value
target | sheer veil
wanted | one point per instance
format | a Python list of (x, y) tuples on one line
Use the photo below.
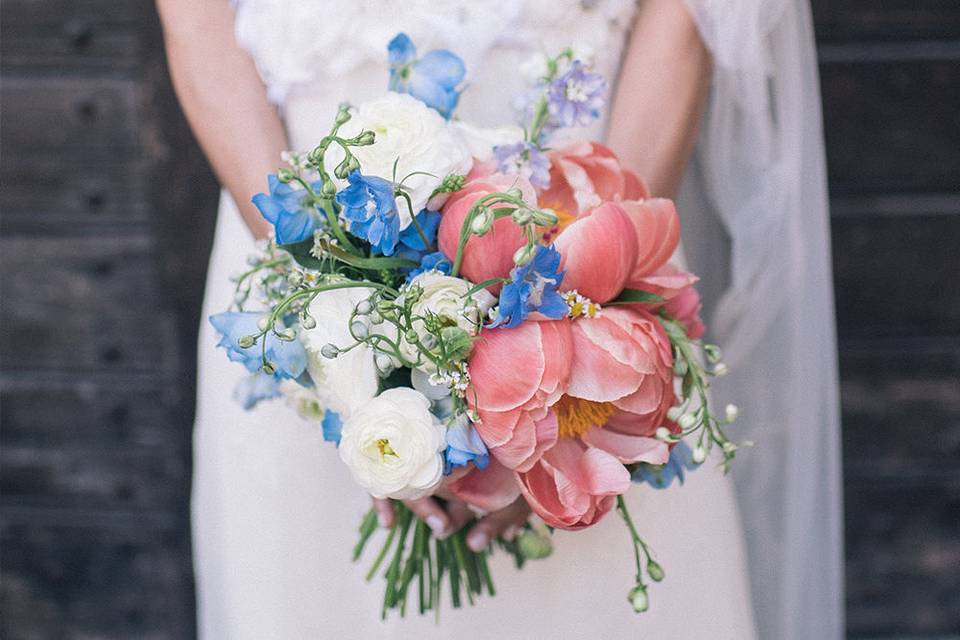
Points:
[(756, 228)]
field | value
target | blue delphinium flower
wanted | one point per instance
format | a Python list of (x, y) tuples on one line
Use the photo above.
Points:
[(287, 209), (371, 208), (436, 261), (412, 245), (332, 425), (289, 358), (256, 387), (525, 159), (464, 446), (432, 79), (661, 476), (576, 96), (532, 287)]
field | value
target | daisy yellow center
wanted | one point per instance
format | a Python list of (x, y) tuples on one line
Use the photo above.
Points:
[(575, 416)]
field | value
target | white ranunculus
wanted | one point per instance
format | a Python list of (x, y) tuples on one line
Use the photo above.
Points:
[(394, 446), (407, 129), (481, 141), (349, 380), (445, 296)]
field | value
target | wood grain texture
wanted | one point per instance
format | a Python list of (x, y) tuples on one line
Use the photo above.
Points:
[(892, 126)]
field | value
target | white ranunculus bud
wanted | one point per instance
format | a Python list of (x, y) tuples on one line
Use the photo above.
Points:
[(445, 297), (720, 370), (394, 446)]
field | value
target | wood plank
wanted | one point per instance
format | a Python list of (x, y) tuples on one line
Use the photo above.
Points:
[(893, 275), (92, 42), (50, 198), (79, 273), (88, 477), (82, 582), (903, 550), (876, 141), (71, 120), (885, 19), (49, 414)]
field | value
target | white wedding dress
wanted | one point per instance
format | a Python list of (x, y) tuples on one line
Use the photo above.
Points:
[(275, 511)]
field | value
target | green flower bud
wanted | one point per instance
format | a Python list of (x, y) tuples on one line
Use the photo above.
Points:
[(720, 370), (376, 318), (343, 114), (269, 368), (638, 598), (713, 352), (246, 342), (674, 413), (534, 545), (329, 351), (285, 175), (308, 322), (728, 447), (732, 411), (359, 329), (687, 421), (458, 342), (287, 334), (364, 307), (411, 337), (663, 434), (545, 217), (295, 279), (366, 138), (524, 254), (699, 454), (655, 571), (522, 216), (482, 222)]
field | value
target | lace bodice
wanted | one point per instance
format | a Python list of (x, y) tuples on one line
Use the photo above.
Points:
[(313, 46)]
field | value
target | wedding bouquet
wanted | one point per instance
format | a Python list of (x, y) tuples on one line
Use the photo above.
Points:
[(482, 311)]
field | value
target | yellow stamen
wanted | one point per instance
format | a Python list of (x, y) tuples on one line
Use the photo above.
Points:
[(385, 449), (575, 415)]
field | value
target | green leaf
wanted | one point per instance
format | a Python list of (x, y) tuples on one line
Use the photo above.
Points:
[(301, 253), (634, 296), (483, 285)]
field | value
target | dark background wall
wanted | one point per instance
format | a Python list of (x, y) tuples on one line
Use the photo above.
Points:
[(105, 199)]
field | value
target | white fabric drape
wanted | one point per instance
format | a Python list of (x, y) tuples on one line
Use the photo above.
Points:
[(758, 178)]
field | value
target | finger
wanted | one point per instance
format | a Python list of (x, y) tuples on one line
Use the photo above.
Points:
[(384, 509), (459, 513), (430, 511), (494, 524)]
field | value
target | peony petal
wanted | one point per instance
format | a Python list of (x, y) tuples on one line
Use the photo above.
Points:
[(591, 470), (506, 367), (490, 489), (599, 253), (658, 232), (627, 448)]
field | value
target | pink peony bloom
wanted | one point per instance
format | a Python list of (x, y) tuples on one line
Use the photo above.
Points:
[(599, 252), (491, 255), (585, 174), (517, 375), (685, 307), (566, 404)]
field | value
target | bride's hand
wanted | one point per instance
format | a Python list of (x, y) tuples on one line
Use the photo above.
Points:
[(444, 521)]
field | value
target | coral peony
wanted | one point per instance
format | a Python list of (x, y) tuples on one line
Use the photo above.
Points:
[(585, 174), (599, 253), (490, 255), (567, 403)]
